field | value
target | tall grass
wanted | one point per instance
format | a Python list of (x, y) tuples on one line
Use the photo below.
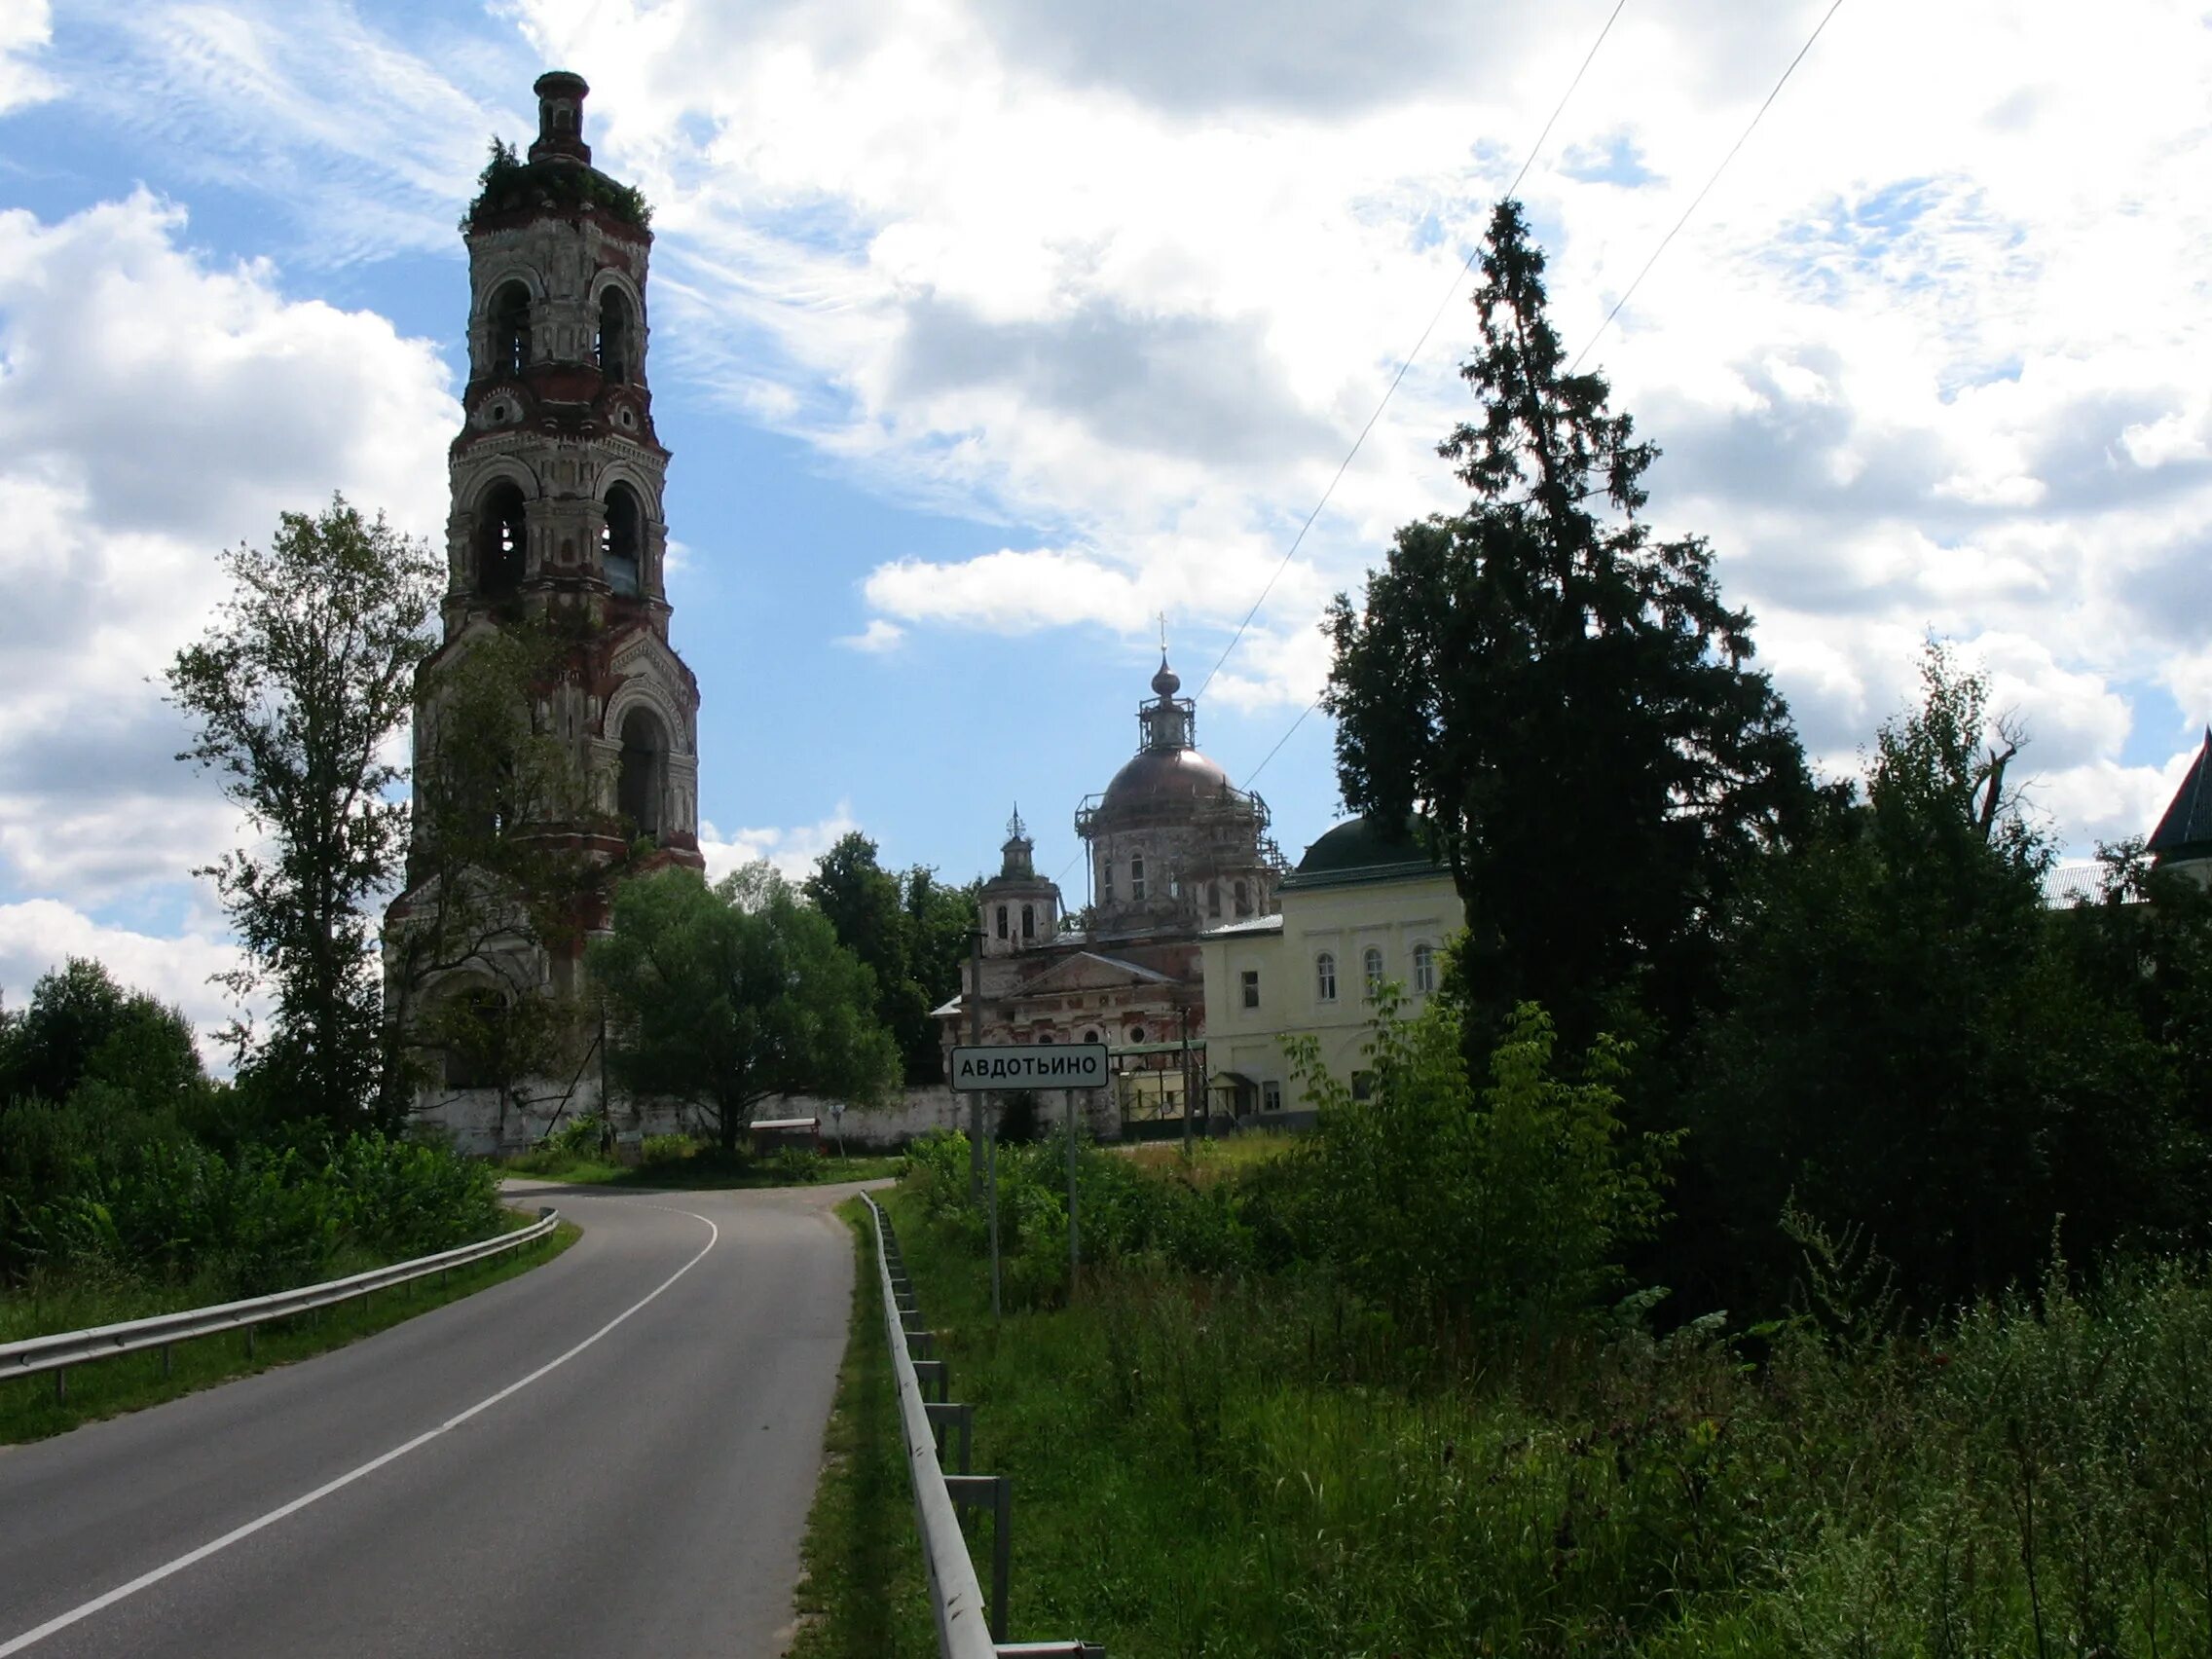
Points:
[(154, 1208), (1243, 1463)]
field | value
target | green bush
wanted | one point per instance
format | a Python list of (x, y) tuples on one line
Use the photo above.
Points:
[(657, 1149), (166, 1207), (797, 1164)]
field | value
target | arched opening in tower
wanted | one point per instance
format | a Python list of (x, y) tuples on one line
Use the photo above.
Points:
[(644, 770), (499, 532), (471, 1024), (616, 335), (510, 329), (621, 540)]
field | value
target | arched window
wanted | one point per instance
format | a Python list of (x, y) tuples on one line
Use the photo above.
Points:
[(1371, 966), (644, 771), (510, 329), (1325, 976), (499, 541), (474, 1025), (616, 338), (1028, 921), (1213, 898), (1091, 1036), (621, 539), (1243, 898), (1002, 921), (1424, 969), (1105, 881), (1136, 877)]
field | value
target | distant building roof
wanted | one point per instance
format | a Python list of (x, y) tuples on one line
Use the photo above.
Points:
[(1247, 925), (2074, 882), (2186, 830), (1364, 849)]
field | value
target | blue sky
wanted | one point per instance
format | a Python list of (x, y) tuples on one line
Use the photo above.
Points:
[(984, 332)]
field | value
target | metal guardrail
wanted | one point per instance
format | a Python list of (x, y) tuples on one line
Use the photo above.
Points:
[(65, 1348), (955, 1594)]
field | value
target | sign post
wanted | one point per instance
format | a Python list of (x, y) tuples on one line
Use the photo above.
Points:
[(1029, 1065), (1069, 1067)]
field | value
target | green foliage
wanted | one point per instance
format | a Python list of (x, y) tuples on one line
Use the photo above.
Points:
[(83, 1190), (81, 1029), (294, 694), (508, 184), (798, 1166), (733, 994), (580, 1136), (2032, 1476), (655, 1151), (1922, 1052), (1510, 1211), (912, 933), (1564, 697)]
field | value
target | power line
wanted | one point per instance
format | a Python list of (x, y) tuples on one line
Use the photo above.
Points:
[(1602, 327), (1279, 742), (1708, 184), (1450, 294)]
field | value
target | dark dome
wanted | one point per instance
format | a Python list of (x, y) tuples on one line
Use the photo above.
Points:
[(1161, 775), (1363, 843)]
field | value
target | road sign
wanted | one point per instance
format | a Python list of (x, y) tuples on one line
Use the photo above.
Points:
[(1030, 1065)]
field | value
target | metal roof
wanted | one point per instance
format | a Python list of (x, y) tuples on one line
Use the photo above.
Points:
[(2186, 828)]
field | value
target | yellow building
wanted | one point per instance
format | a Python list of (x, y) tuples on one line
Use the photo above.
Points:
[(1366, 907)]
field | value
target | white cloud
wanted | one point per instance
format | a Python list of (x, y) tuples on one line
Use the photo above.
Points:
[(40, 934), (154, 408), (793, 851), (1130, 290), (877, 636), (26, 28)]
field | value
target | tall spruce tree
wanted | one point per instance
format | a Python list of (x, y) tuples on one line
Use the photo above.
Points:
[(1562, 695)]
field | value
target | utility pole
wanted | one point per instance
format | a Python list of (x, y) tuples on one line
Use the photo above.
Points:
[(975, 1038)]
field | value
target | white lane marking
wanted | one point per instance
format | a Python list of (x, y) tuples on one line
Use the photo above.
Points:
[(192, 1558)]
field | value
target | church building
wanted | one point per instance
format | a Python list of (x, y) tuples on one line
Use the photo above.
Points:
[(1172, 848), (556, 532)]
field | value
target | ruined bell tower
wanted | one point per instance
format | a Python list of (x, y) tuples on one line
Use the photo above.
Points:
[(556, 534), (557, 476)]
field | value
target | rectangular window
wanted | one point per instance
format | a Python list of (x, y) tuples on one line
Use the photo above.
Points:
[(1106, 881), (1363, 1085), (1002, 921), (1270, 1096), (1251, 982)]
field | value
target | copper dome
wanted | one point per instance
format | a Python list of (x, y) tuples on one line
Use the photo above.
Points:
[(1159, 776)]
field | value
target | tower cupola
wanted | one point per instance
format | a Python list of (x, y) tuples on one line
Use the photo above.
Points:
[(561, 118), (1020, 910), (1170, 723)]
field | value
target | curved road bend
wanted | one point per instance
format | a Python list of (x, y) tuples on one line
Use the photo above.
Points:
[(640, 1430)]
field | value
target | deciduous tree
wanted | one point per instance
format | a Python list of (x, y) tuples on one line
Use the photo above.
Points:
[(296, 692), (729, 995)]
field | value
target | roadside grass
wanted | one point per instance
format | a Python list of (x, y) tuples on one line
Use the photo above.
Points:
[(700, 1172), (108, 1388), (862, 1594), (1212, 1159), (1251, 1464)]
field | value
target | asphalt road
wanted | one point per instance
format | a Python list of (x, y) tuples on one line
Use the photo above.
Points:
[(610, 1454)]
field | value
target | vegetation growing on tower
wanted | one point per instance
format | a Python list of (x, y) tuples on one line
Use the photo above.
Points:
[(508, 184)]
